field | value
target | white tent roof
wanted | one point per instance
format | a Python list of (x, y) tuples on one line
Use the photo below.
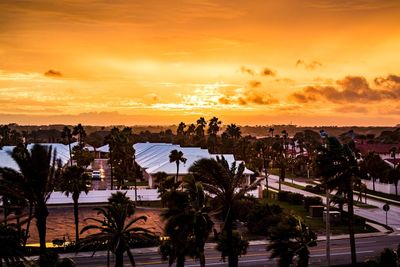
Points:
[(61, 150)]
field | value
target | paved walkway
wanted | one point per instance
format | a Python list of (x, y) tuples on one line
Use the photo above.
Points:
[(373, 214)]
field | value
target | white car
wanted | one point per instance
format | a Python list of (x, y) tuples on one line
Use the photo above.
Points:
[(98, 175)]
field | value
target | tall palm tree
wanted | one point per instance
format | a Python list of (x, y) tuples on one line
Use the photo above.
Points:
[(234, 133), (213, 129), (263, 147), (80, 132), (188, 223), (177, 157), (40, 167), (190, 132), (271, 131), (117, 229), (67, 135), (74, 181), (111, 139), (337, 165), (225, 182)]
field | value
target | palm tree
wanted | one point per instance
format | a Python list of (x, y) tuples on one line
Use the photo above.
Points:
[(289, 238), (190, 132), (111, 140), (188, 223), (225, 183), (74, 181), (213, 128), (80, 132), (234, 133), (40, 169), (374, 167), (201, 124), (271, 131), (67, 134), (337, 165), (177, 157), (11, 250), (393, 176), (262, 147), (116, 229)]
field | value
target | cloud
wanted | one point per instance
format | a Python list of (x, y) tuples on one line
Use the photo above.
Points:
[(246, 70), (268, 72), (53, 73), (254, 84), (351, 109), (390, 81), (309, 66), (348, 90), (252, 94)]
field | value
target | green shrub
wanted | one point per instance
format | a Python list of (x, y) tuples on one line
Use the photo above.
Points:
[(311, 201), (283, 196), (261, 217), (295, 198)]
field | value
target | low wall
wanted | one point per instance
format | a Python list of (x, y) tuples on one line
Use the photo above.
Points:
[(101, 196), (382, 187)]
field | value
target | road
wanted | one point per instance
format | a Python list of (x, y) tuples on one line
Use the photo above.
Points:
[(373, 214), (257, 256)]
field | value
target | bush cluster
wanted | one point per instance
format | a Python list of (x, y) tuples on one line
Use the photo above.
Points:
[(299, 199)]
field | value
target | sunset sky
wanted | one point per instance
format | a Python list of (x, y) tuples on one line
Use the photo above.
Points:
[(104, 62)]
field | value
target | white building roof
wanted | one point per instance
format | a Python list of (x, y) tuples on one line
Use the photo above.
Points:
[(6, 161), (155, 157)]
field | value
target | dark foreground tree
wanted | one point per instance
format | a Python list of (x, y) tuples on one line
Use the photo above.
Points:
[(40, 167), (74, 181), (188, 223), (11, 250), (227, 183), (116, 228), (291, 238)]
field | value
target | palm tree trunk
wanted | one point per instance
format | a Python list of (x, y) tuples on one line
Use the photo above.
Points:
[(180, 260), (119, 258), (202, 258), (328, 229), (351, 227), (41, 214), (28, 225), (373, 183), (70, 153), (228, 227), (177, 171), (75, 198)]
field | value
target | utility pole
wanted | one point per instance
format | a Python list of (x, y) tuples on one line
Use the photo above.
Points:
[(328, 230)]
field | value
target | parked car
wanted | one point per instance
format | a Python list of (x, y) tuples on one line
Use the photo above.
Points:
[(98, 175)]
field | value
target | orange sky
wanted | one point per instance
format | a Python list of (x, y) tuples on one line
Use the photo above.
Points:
[(318, 62)]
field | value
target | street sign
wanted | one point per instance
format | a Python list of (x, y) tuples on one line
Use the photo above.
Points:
[(386, 207)]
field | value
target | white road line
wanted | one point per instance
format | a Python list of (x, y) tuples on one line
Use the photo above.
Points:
[(342, 253)]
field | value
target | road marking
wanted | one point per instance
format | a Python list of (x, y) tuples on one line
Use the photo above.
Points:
[(365, 242), (342, 253)]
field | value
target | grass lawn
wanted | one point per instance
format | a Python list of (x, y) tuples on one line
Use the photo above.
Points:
[(316, 224)]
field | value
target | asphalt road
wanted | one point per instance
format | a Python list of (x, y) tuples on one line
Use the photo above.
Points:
[(368, 247)]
